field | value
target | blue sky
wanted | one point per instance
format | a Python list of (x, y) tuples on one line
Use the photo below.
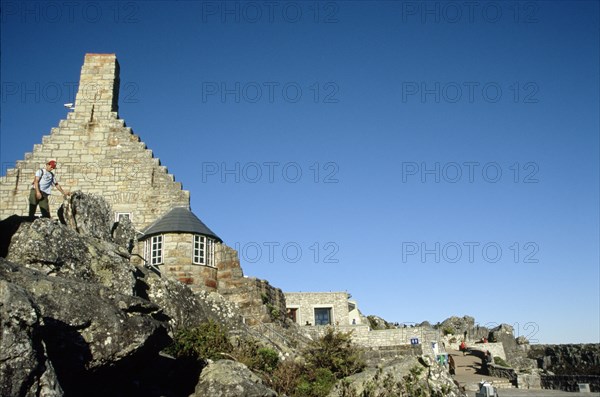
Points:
[(430, 158)]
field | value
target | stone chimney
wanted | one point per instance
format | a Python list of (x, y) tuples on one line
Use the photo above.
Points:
[(98, 93)]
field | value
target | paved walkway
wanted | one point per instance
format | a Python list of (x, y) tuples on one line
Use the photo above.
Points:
[(469, 374)]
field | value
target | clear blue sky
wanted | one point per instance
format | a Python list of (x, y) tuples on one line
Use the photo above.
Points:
[(432, 159)]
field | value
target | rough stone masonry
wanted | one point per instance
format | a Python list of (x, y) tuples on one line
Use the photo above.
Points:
[(97, 153)]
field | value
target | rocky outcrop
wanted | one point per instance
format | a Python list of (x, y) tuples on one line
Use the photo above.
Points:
[(124, 234), (573, 359), (225, 378), (463, 328), (24, 369), (377, 323), (86, 326), (403, 376), (77, 318), (55, 249), (88, 215)]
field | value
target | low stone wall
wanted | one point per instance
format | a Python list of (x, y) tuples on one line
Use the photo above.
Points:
[(378, 355), (529, 381), (365, 337), (496, 349), (502, 372), (570, 382)]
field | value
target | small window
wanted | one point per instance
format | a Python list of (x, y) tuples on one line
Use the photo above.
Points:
[(120, 215), (203, 251), (155, 250), (322, 316)]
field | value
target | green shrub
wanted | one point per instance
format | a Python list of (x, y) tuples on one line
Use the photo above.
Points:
[(499, 361), (287, 376), (207, 341), (266, 359), (448, 330), (317, 384), (335, 352)]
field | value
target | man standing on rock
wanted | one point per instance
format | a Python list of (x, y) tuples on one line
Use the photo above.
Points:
[(41, 188)]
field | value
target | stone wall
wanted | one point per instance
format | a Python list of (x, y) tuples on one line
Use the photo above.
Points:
[(307, 302), (97, 153), (570, 382), (257, 299), (365, 337), (178, 248), (502, 372), (496, 349)]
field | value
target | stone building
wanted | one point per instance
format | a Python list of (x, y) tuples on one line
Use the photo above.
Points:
[(322, 308), (184, 248), (98, 153), (315, 311)]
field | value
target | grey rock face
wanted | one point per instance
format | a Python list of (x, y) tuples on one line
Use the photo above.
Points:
[(420, 375), (187, 309), (226, 378), (124, 235), (55, 249), (86, 324), (24, 368), (78, 319), (88, 214)]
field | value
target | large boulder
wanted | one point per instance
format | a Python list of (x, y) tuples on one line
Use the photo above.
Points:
[(504, 334), (124, 234), (24, 366), (184, 308), (226, 378), (87, 327), (408, 375), (88, 214), (55, 249)]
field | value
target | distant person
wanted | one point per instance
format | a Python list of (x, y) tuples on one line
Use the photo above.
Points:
[(41, 188), (488, 357), (463, 347)]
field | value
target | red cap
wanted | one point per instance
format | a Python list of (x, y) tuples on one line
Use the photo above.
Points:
[(52, 163)]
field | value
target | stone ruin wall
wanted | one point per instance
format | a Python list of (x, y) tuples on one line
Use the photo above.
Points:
[(259, 301)]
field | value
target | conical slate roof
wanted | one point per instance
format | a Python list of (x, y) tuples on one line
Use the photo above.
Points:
[(179, 220)]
